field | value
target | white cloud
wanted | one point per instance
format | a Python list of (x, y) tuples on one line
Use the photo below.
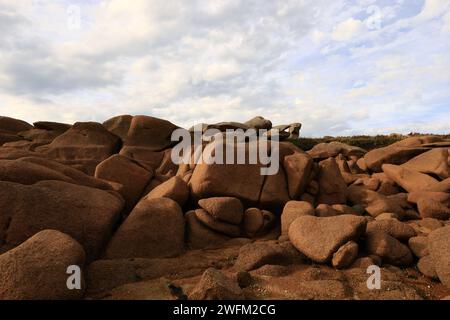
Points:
[(308, 61), (446, 23), (432, 9), (348, 30)]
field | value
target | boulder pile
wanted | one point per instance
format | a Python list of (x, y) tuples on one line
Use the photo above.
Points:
[(108, 199)]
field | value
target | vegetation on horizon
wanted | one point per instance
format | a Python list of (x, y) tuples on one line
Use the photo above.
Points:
[(363, 141)]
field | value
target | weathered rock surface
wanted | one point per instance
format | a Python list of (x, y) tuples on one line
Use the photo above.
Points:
[(83, 146), (333, 189), (255, 255), (200, 236), (298, 168), (439, 247), (252, 222), (332, 149), (431, 204), (130, 175), (228, 229), (227, 209), (37, 269), (155, 228), (113, 192), (215, 285), (29, 170), (393, 227), (373, 202), (175, 188), (388, 248), (433, 162), (318, 238), (345, 255), (259, 123), (12, 125), (419, 246), (408, 179), (292, 210), (397, 153), (426, 266), (242, 181), (86, 214)]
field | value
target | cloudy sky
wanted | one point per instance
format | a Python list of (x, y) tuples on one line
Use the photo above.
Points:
[(340, 67)]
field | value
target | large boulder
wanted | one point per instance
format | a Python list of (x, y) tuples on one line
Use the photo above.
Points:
[(257, 222), (419, 141), (386, 186), (42, 134), (28, 173), (87, 214), (255, 255), (393, 227), (35, 137), (227, 209), (259, 123), (443, 186), (37, 269), (150, 160), (374, 203), (431, 204), (175, 188), (396, 153), (408, 179), (334, 148), (52, 126), (325, 210), (237, 180), (119, 125), (318, 238), (155, 228), (439, 247), (29, 170), (425, 226), (388, 248), (11, 153), (83, 146), (151, 133), (7, 137), (228, 229), (12, 125), (332, 187), (292, 210), (252, 222), (241, 180), (433, 162), (199, 236), (78, 176), (274, 193), (419, 246), (130, 175), (426, 267), (298, 167)]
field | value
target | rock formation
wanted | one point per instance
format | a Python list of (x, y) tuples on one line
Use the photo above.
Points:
[(108, 199)]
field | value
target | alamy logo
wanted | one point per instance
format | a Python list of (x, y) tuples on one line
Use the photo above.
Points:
[(374, 281), (74, 280), (73, 17), (230, 147)]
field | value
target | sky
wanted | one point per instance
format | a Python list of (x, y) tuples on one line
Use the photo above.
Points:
[(339, 67)]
